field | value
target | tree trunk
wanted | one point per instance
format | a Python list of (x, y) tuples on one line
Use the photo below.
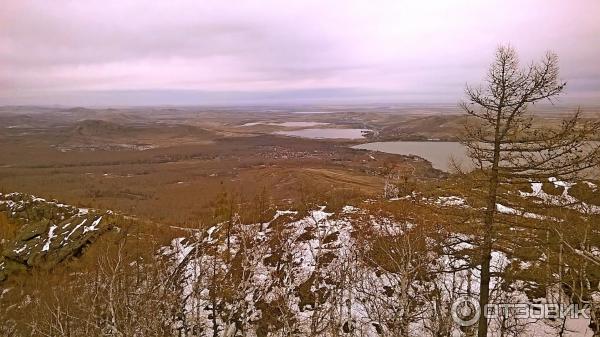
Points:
[(486, 254)]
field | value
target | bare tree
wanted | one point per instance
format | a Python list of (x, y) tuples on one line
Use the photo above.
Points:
[(509, 148), (396, 278)]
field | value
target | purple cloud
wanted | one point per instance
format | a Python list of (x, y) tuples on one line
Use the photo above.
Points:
[(427, 49)]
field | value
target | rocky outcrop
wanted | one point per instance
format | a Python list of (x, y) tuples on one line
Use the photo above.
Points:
[(45, 233)]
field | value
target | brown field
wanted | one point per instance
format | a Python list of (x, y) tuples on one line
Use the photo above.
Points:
[(171, 164), (173, 169)]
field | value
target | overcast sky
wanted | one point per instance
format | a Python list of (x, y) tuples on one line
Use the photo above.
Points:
[(130, 52)]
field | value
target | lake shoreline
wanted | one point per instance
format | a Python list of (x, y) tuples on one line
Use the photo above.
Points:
[(438, 153)]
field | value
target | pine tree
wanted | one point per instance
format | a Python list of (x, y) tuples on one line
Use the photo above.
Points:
[(509, 148)]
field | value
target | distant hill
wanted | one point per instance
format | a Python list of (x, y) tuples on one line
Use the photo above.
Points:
[(94, 127)]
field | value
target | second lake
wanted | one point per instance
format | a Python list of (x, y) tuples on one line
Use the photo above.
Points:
[(438, 153)]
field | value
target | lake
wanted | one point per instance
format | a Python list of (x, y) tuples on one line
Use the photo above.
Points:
[(287, 124), (438, 153), (325, 133), (312, 112)]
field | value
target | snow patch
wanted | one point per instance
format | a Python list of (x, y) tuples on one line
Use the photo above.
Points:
[(508, 210), (93, 227), (50, 237), (451, 201), (348, 209)]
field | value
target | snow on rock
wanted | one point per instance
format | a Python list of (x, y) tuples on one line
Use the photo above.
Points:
[(17, 202), (50, 237), (48, 232), (318, 248), (21, 250), (180, 248), (451, 201), (558, 183), (562, 200), (66, 238), (318, 244), (93, 227), (282, 213), (350, 209)]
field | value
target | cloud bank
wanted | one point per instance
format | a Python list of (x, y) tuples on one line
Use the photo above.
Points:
[(205, 52)]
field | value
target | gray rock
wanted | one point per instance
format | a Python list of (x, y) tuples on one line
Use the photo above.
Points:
[(49, 232)]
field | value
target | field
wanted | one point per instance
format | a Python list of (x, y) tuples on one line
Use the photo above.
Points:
[(169, 165)]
